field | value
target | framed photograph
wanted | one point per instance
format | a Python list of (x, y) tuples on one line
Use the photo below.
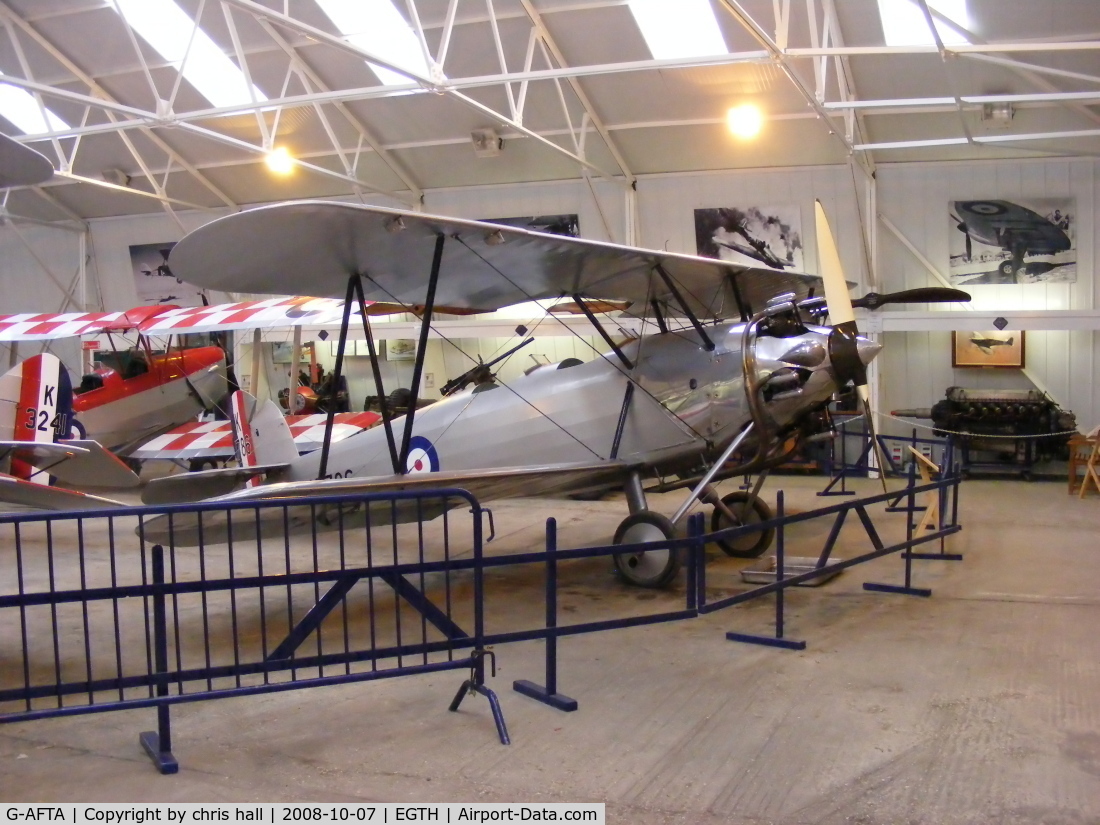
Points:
[(154, 281), (751, 235), (995, 348), (1022, 241), (400, 349)]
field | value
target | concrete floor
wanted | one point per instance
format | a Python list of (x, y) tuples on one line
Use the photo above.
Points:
[(980, 704)]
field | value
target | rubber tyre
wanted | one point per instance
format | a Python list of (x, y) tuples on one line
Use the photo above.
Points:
[(752, 545), (647, 568)]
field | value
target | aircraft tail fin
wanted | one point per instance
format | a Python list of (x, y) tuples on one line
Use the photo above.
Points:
[(261, 435), (36, 404)]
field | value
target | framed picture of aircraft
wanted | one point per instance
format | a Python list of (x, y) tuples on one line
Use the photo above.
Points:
[(1013, 242), (154, 281), (751, 235), (994, 348)]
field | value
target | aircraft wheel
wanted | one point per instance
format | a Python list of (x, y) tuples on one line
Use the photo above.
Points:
[(751, 545), (647, 568), (1007, 268)]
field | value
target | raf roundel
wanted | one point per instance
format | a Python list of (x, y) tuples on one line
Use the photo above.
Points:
[(422, 456)]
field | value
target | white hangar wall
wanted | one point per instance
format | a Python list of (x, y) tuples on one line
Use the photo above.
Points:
[(915, 368)]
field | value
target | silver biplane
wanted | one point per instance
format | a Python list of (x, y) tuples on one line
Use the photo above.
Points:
[(739, 374)]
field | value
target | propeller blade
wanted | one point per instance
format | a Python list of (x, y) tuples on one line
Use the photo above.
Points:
[(969, 247), (921, 295), (828, 262)]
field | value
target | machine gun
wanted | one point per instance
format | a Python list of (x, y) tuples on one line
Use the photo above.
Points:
[(480, 372)]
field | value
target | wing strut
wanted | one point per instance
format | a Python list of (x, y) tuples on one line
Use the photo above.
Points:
[(603, 332), (421, 349), (658, 315), (627, 398), (709, 344), (355, 291), (742, 306)]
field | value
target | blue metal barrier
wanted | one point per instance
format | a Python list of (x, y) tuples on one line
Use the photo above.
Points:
[(97, 616), (154, 606)]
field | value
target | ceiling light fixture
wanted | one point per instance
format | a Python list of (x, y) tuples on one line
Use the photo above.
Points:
[(487, 143), (745, 121), (279, 161)]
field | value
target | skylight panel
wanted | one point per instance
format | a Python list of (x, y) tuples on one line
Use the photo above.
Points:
[(686, 28), (168, 29), (903, 22), (376, 26), (22, 109)]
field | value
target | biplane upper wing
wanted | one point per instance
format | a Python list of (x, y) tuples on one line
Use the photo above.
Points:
[(482, 266), (214, 439), (168, 320)]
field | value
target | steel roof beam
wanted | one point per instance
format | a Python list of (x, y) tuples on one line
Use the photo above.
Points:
[(104, 97)]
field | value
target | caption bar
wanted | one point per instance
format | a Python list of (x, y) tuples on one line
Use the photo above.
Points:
[(191, 813)]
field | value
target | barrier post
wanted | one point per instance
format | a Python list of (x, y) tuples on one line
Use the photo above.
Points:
[(476, 682), (158, 744), (780, 574), (548, 694)]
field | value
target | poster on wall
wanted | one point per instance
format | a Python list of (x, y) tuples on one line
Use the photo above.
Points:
[(1028, 241), (753, 235), (153, 278), (991, 348), (551, 224)]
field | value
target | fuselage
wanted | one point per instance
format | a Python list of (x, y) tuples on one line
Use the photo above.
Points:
[(158, 391), (688, 402)]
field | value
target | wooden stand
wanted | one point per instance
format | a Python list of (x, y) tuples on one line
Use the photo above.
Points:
[(1091, 468), (930, 519), (1080, 448)]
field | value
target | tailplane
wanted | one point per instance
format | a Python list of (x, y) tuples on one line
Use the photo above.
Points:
[(36, 404), (261, 436)]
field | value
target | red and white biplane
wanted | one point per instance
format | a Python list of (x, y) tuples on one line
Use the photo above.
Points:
[(137, 392)]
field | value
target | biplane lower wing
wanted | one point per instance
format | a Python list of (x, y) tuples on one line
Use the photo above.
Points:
[(182, 529), (214, 439), (41, 497)]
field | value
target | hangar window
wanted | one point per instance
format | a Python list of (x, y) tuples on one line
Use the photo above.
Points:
[(687, 28), (175, 37), (376, 26), (20, 107), (904, 24)]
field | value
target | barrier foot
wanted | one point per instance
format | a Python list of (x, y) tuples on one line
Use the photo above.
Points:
[(541, 694), (469, 686), (896, 588), (933, 556), (768, 641), (162, 760)]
